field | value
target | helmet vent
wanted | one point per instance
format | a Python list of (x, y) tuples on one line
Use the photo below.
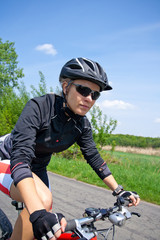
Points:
[(89, 63), (99, 68), (75, 66), (80, 65)]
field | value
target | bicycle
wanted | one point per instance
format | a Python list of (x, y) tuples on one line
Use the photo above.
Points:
[(85, 229)]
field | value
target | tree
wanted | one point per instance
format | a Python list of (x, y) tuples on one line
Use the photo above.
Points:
[(9, 72), (12, 103), (11, 106), (42, 87), (100, 126)]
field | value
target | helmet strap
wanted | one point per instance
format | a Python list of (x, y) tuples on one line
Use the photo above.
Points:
[(66, 108)]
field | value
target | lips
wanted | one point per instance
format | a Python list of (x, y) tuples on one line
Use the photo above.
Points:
[(85, 106)]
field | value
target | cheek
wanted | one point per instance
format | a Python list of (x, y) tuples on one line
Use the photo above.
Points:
[(72, 100), (93, 102)]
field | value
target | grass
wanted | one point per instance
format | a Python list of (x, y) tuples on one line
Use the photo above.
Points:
[(136, 172), (140, 173)]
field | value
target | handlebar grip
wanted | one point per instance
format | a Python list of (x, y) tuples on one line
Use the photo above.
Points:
[(71, 225), (127, 202), (124, 201)]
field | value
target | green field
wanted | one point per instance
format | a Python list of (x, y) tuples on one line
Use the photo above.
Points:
[(136, 172)]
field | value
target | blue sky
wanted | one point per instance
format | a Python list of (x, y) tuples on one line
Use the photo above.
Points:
[(123, 36)]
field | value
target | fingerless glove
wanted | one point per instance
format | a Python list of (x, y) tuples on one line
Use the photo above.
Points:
[(45, 224)]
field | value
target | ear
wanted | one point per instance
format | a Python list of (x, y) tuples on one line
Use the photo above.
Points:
[(64, 87)]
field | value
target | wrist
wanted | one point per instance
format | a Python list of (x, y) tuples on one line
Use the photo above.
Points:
[(36, 214), (117, 190)]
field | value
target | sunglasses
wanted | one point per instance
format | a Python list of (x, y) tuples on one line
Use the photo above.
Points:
[(86, 91)]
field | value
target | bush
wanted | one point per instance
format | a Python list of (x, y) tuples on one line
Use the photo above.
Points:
[(133, 141), (101, 126), (72, 152)]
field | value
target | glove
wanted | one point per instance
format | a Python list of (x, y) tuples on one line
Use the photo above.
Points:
[(120, 192), (127, 194), (124, 197), (45, 224)]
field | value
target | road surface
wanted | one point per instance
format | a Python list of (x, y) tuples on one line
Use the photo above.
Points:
[(71, 197)]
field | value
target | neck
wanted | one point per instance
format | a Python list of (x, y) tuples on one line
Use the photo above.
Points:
[(70, 113)]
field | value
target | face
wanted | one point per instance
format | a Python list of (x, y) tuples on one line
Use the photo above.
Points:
[(77, 103)]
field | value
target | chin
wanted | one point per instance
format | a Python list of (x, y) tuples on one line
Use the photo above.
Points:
[(81, 113)]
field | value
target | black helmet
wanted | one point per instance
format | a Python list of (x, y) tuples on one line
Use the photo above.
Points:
[(82, 68)]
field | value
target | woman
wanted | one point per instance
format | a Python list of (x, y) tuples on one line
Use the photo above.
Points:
[(49, 124)]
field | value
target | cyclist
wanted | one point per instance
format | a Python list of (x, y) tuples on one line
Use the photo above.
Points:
[(49, 124)]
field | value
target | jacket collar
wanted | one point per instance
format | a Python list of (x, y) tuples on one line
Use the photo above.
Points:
[(64, 111)]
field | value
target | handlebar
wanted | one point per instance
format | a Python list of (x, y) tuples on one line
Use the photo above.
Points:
[(71, 225), (117, 215)]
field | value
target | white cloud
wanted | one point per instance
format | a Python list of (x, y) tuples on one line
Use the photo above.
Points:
[(118, 104), (47, 49), (157, 120)]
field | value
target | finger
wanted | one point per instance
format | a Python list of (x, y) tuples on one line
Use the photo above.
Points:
[(63, 224), (138, 201), (50, 236), (53, 238), (133, 201), (58, 233)]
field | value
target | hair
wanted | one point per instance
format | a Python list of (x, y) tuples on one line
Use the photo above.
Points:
[(62, 80)]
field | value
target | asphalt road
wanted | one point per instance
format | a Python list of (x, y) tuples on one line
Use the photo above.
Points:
[(71, 197)]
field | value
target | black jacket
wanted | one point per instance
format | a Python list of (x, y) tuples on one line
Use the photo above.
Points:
[(42, 129)]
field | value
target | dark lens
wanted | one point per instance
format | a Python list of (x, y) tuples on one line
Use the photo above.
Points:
[(95, 95), (84, 91)]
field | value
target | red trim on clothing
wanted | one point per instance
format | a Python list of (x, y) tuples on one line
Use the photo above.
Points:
[(5, 168), (4, 190), (103, 164), (16, 166)]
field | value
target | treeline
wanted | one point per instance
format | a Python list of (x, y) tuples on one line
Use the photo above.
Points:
[(133, 141)]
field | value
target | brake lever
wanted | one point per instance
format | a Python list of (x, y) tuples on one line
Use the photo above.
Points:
[(137, 214)]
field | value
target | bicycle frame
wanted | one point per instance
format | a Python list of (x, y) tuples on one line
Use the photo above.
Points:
[(71, 236)]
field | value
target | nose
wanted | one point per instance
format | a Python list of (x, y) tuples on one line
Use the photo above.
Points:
[(89, 98)]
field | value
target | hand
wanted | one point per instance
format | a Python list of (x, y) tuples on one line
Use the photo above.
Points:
[(133, 196), (46, 225), (63, 222)]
